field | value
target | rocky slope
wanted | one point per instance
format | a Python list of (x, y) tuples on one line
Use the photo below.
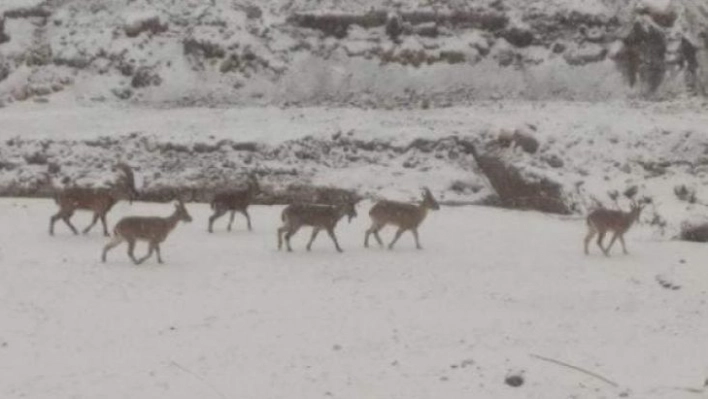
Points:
[(366, 53)]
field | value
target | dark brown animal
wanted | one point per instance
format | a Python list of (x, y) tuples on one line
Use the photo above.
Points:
[(403, 215), (98, 200), (152, 229), (320, 217), (602, 220), (234, 201)]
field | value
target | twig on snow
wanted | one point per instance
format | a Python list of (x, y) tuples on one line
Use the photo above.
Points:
[(199, 377), (582, 370), (682, 389)]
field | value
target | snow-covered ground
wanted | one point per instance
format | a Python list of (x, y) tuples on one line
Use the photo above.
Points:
[(229, 316), (65, 119)]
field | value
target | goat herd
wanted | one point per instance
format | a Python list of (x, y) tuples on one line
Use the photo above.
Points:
[(405, 216), (154, 230)]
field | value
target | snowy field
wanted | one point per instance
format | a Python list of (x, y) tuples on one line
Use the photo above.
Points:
[(67, 119), (228, 316)]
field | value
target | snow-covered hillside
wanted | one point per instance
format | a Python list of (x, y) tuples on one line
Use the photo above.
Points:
[(230, 316), (368, 53)]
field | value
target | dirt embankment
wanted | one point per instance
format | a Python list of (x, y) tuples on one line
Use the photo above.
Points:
[(199, 170)]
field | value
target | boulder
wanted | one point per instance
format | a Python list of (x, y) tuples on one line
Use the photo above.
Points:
[(519, 138), (518, 190), (585, 54), (145, 77), (139, 22), (695, 233), (310, 193)]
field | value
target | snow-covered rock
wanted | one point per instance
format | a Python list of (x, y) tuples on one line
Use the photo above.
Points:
[(137, 22)]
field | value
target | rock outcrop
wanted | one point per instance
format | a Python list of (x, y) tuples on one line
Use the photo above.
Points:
[(365, 54)]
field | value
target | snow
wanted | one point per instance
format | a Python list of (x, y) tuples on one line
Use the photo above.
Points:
[(136, 17), (6, 5), (230, 316), (593, 7), (21, 32), (658, 6), (64, 119)]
